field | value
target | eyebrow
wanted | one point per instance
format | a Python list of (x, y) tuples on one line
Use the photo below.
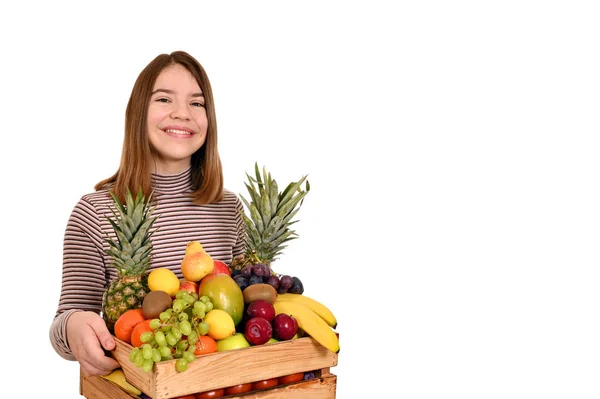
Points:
[(172, 92)]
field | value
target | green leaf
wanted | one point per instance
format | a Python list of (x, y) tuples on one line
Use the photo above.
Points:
[(291, 190), (258, 221), (265, 207)]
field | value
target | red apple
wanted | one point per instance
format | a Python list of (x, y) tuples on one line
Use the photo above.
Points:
[(190, 286), (221, 267)]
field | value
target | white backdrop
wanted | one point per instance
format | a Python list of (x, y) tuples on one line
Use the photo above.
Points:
[(452, 151)]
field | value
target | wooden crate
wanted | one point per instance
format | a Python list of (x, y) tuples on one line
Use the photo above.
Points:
[(323, 387), (228, 368)]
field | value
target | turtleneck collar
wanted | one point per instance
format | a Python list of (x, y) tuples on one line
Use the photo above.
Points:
[(173, 184)]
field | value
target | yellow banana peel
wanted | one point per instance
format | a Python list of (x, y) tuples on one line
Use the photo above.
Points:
[(310, 322), (118, 377), (319, 308)]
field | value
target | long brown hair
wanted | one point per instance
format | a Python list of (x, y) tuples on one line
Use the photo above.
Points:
[(136, 157)]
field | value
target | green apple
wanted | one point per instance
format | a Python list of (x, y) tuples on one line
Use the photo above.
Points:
[(272, 340), (236, 341)]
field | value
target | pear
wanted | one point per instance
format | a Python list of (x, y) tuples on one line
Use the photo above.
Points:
[(196, 263), (193, 247)]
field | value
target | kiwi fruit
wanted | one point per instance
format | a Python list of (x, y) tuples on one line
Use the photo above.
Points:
[(263, 291), (155, 302)]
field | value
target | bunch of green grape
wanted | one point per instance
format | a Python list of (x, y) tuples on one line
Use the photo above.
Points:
[(175, 333)]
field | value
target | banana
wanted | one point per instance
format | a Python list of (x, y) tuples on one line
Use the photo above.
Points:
[(309, 322), (314, 305), (118, 378)]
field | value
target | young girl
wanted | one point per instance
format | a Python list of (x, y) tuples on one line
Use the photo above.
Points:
[(170, 153)]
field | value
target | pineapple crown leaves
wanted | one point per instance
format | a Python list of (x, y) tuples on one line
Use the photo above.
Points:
[(271, 212), (131, 224)]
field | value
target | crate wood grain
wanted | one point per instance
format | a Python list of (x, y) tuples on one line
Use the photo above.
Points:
[(99, 388), (228, 368), (318, 388)]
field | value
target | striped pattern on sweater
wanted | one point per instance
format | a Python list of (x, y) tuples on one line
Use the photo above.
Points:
[(87, 268)]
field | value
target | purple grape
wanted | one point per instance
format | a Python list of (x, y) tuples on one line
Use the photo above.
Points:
[(285, 282), (241, 281), (273, 281), (247, 271), (281, 290), (260, 269), (255, 280), (309, 375), (297, 287)]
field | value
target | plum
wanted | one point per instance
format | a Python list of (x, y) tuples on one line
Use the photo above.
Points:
[(261, 308), (297, 287), (258, 330), (284, 327)]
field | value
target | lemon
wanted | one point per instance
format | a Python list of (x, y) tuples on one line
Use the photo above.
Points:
[(220, 324), (163, 279)]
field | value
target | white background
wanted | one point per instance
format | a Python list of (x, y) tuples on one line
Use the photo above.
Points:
[(452, 150)]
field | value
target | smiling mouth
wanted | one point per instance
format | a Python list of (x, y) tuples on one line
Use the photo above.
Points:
[(178, 132)]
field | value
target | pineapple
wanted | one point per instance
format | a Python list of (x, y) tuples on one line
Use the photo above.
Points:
[(271, 213), (131, 256)]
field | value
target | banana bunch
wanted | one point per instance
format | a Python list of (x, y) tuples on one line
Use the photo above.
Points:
[(313, 317), (118, 377)]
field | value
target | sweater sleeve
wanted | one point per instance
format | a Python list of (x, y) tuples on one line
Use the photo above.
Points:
[(83, 273)]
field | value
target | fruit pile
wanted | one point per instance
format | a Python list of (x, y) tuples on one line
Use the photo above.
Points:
[(215, 307), (183, 319)]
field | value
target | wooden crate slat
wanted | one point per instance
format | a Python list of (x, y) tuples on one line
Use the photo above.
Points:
[(323, 388), (137, 377), (223, 369), (99, 388), (320, 388)]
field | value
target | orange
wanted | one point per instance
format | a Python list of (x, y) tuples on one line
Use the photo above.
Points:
[(137, 332), (205, 344), (126, 322)]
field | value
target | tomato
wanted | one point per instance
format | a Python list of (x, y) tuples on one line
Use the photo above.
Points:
[(217, 393), (186, 397), (264, 384), (241, 388), (288, 379)]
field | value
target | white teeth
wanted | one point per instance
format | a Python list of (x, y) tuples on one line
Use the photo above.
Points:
[(177, 131)]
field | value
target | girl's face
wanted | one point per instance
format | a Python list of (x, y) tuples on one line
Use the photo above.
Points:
[(177, 122)]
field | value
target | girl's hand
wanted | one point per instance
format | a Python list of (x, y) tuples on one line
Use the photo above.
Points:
[(88, 337)]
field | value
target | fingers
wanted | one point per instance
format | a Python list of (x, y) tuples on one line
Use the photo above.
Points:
[(106, 365), (90, 369), (104, 337), (89, 336), (99, 360), (93, 360)]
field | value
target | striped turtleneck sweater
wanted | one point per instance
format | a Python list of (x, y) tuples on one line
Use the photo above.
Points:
[(87, 267)]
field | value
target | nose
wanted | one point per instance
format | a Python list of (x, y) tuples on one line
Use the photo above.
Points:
[(180, 111)]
